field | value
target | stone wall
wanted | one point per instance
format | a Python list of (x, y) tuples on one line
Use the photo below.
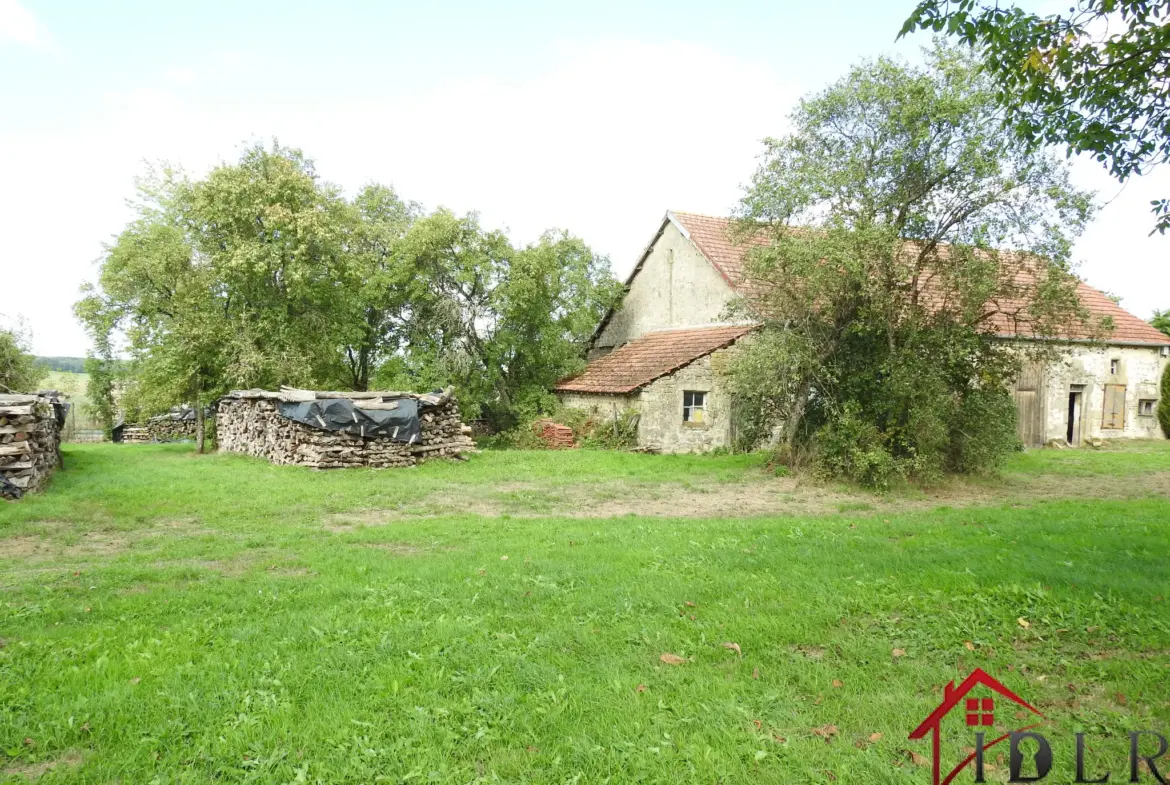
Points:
[(30, 441), (660, 406), (1138, 368), (677, 287)]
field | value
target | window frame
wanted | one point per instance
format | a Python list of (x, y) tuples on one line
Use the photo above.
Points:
[(1152, 403), (689, 409)]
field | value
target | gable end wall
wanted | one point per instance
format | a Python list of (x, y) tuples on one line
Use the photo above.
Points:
[(676, 287)]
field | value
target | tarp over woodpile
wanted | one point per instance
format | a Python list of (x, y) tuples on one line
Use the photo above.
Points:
[(390, 415), (327, 429)]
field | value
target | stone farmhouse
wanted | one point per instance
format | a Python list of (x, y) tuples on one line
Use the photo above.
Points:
[(661, 350)]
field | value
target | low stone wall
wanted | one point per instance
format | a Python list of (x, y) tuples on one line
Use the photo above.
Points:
[(30, 441), (249, 422)]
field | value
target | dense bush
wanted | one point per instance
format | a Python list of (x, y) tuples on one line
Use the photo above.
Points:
[(592, 429), (879, 284), (19, 371), (1164, 403)]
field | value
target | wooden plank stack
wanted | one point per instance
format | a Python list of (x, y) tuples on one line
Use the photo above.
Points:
[(248, 421), (30, 440), (555, 435)]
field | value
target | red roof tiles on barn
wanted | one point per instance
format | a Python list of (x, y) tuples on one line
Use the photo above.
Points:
[(650, 357), (714, 237)]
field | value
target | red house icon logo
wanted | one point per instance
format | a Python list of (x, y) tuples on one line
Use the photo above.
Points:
[(978, 712)]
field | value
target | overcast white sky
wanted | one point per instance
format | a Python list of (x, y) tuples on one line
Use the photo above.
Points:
[(596, 119)]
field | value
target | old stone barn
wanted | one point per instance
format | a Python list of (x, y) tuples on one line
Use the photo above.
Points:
[(328, 430), (660, 351)]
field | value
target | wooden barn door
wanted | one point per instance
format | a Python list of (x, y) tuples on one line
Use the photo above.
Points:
[(1029, 405), (1113, 414)]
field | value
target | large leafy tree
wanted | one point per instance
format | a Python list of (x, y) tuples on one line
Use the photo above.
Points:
[(501, 323), (881, 286), (1161, 321), (1095, 78), (260, 275), (388, 294), (229, 281)]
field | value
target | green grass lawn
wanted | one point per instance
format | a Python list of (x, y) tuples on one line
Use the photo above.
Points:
[(167, 617)]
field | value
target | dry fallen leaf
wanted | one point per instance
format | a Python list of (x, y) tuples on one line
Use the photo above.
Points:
[(640, 688), (734, 647), (759, 725), (671, 659), (690, 604), (530, 748), (970, 646), (755, 673), (504, 557), (826, 732), (875, 737), (838, 683), (899, 652), (916, 759), (1121, 698), (779, 739), (1023, 622), (136, 679)]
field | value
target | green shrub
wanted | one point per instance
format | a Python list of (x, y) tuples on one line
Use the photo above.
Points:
[(1164, 403), (592, 429), (851, 448)]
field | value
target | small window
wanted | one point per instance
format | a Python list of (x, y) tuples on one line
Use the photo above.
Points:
[(980, 712), (1146, 407), (694, 406), (1115, 366)]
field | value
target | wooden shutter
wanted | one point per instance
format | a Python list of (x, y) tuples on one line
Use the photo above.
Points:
[(1113, 416)]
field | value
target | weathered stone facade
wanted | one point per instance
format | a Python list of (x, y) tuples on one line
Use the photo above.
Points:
[(660, 408), (675, 286), (1084, 373), (686, 279)]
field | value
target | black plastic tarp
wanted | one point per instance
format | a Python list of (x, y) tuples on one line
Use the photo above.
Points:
[(341, 414)]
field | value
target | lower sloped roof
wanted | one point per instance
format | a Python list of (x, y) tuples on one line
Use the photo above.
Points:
[(650, 357)]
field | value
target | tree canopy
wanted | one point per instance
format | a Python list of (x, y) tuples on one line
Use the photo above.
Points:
[(884, 285), (19, 370), (1096, 78), (261, 274)]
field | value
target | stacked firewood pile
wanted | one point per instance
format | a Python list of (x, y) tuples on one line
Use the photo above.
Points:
[(175, 426), (135, 434), (30, 440), (169, 428), (250, 422)]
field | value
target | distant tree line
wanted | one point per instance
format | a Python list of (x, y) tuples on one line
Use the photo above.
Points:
[(64, 364), (262, 274)]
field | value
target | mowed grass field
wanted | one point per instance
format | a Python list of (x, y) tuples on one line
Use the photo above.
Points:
[(168, 617)]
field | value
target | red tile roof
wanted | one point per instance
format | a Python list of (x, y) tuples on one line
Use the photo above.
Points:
[(715, 237), (650, 357)]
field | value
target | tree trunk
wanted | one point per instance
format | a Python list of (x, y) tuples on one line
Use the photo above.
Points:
[(796, 418), (200, 426)]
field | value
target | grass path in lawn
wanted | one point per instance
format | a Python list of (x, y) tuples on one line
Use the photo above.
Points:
[(206, 619)]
